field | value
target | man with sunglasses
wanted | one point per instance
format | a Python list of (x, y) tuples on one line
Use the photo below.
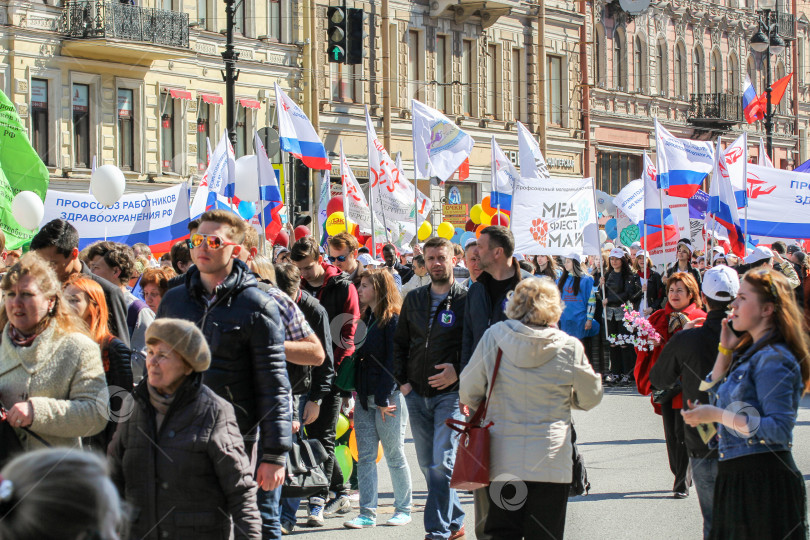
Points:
[(343, 254), (243, 328)]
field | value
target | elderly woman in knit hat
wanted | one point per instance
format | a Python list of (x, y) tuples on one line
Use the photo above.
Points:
[(177, 456)]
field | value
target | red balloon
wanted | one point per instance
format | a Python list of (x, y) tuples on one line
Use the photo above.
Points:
[(301, 231), (379, 246), (282, 239), (470, 226), (335, 204), (500, 219)]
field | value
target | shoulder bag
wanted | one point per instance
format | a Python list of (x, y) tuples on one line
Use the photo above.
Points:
[(304, 469)]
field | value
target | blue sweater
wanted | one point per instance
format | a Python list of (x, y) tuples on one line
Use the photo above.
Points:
[(375, 363)]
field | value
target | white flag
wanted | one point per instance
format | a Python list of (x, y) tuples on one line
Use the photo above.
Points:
[(439, 145), (532, 162), (504, 178), (764, 158), (736, 159), (424, 204)]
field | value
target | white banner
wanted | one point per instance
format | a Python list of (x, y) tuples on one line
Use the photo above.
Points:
[(778, 203), (439, 145), (555, 217)]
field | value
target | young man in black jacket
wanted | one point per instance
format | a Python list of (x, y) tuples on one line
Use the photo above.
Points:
[(244, 331), (687, 358), (427, 361)]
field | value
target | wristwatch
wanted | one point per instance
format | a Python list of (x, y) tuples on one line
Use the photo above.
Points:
[(317, 401)]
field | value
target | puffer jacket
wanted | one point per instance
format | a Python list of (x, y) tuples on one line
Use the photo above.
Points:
[(187, 479), (419, 347), (248, 367), (543, 375)]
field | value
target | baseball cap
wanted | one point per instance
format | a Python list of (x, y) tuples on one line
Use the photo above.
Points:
[(685, 242), (576, 256), (366, 260), (793, 248), (721, 283), (719, 249), (636, 245), (617, 252), (760, 253), (608, 245), (642, 253)]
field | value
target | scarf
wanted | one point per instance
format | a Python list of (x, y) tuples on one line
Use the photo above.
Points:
[(676, 321), (19, 339), (161, 404)]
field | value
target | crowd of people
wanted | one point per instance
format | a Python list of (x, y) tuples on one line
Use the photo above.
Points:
[(201, 373)]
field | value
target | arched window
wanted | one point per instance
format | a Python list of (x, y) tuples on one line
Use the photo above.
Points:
[(783, 106), (619, 60), (698, 72), (638, 62), (733, 74), (661, 80), (751, 69), (680, 71), (716, 75), (599, 55)]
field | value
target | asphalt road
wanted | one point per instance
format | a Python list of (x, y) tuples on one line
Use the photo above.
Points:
[(623, 444)]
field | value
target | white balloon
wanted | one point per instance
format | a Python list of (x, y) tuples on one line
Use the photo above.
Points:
[(603, 237), (247, 178), (107, 184), (27, 209)]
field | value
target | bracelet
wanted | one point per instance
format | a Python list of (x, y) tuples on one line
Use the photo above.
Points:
[(723, 350)]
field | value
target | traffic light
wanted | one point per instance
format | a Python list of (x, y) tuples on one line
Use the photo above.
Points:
[(336, 31), (301, 193), (354, 37)]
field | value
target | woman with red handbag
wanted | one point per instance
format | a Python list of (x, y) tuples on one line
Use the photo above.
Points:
[(541, 374)]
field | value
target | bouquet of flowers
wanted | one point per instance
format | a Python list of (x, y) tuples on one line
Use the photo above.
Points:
[(642, 336)]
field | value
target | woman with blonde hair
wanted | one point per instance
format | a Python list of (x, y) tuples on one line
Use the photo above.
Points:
[(86, 298), (51, 375), (380, 415), (757, 382), (536, 374)]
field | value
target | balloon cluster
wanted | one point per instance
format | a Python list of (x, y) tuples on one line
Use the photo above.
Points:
[(483, 215), (347, 454)]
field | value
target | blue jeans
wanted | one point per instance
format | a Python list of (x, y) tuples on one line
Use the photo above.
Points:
[(436, 452), (371, 430), (268, 503), (704, 473)]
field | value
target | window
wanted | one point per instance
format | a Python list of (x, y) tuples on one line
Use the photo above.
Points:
[(239, 26), (661, 80), (442, 89), (40, 123), (202, 13), (800, 67), (752, 70), (554, 90), (166, 4), (168, 131), (614, 170), (274, 26), (342, 82), (680, 71), (716, 75), (242, 147), (698, 72), (126, 129), (493, 82), (415, 82), (783, 105), (733, 74), (519, 71), (599, 55), (467, 75), (619, 61), (203, 129), (638, 62), (393, 65), (81, 125)]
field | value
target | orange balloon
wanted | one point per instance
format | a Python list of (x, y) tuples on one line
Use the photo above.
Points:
[(479, 229), (487, 207), (353, 448)]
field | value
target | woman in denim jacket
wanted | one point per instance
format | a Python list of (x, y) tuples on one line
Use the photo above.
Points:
[(759, 491)]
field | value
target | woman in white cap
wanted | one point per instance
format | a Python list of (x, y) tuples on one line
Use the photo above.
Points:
[(684, 263), (577, 293), (178, 458), (622, 286), (651, 282)]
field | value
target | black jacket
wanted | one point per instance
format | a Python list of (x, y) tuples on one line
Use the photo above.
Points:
[(375, 363), (688, 357), (480, 313), (116, 304), (116, 359), (248, 367), (620, 289), (656, 298), (189, 478), (315, 381), (405, 272), (418, 348)]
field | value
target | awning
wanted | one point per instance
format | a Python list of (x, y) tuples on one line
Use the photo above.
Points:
[(211, 98), (250, 103), (181, 94)]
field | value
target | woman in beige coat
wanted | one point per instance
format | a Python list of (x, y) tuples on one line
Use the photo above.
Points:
[(542, 375), (51, 377)]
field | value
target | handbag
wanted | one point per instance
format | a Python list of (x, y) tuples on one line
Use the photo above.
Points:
[(579, 478), (304, 469), (665, 396), (471, 470)]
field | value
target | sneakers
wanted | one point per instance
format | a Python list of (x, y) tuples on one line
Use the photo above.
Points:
[(315, 518), (360, 522), (610, 379), (626, 380), (339, 505), (455, 535), (287, 527), (400, 518)]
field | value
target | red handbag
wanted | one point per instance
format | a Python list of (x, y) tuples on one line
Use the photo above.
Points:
[(471, 470)]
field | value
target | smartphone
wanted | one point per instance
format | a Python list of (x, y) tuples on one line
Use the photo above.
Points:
[(736, 333)]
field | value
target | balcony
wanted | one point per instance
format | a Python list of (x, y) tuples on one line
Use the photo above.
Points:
[(715, 111), (488, 11), (123, 33)]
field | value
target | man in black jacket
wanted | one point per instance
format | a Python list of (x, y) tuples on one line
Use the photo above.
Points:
[(244, 331), (58, 243), (427, 346), (687, 358)]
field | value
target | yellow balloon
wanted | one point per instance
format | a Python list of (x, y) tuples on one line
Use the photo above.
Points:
[(475, 213), (335, 223), (424, 231), (446, 230), (486, 219), (356, 453)]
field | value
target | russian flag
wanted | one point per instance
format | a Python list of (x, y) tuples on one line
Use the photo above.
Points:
[(655, 219), (296, 134), (504, 176), (723, 204), (269, 191), (752, 106), (683, 164)]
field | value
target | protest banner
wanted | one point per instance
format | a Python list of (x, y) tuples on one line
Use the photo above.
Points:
[(778, 203)]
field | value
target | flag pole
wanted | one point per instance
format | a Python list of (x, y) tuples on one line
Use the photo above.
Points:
[(415, 185), (601, 259), (745, 187), (493, 171), (343, 190), (291, 236), (646, 241), (263, 236)]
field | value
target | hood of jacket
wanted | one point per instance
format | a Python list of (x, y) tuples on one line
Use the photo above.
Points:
[(531, 346), (330, 273), (239, 279)]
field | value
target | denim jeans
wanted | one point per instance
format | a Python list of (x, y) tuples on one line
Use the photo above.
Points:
[(268, 503), (371, 430), (704, 473), (436, 452)]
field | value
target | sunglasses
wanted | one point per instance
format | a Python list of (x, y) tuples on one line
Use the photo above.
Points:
[(212, 241), (339, 258)]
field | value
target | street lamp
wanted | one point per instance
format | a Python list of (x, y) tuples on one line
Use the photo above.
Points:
[(768, 41)]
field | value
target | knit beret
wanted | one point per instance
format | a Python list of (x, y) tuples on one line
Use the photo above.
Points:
[(184, 338)]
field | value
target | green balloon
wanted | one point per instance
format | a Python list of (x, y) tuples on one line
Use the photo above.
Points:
[(344, 458), (629, 235)]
